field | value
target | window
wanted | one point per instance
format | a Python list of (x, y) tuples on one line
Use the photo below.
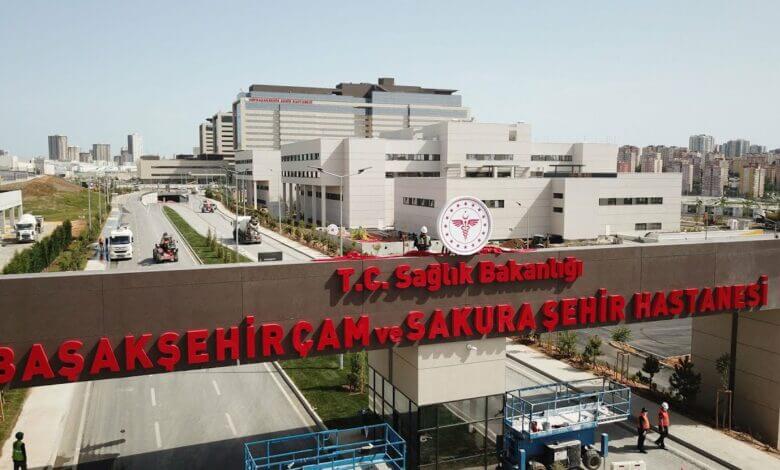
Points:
[(557, 195), (418, 201), (640, 200), (412, 174), (558, 210), (551, 158), (656, 200), (419, 157), (640, 226), (489, 156), (654, 226), (627, 201), (494, 203)]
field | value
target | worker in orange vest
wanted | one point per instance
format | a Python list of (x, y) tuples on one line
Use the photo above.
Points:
[(663, 424), (642, 426)]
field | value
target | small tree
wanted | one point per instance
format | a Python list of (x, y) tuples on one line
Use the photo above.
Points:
[(621, 334), (567, 343), (685, 382), (723, 366), (356, 379), (592, 350), (651, 367)]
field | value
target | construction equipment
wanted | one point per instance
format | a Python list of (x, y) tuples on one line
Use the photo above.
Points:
[(166, 250), (27, 228), (555, 424), (120, 243), (207, 206), (248, 229), (367, 447)]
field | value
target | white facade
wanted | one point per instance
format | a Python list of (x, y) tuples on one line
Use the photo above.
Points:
[(222, 133), (701, 143), (206, 137), (259, 178), (135, 146), (530, 187)]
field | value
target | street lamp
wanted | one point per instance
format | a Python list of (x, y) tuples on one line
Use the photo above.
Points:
[(279, 197), (235, 229), (341, 199)]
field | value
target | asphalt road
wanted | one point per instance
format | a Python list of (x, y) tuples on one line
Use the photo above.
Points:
[(193, 419)]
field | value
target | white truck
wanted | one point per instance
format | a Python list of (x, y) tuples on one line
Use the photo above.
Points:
[(248, 229), (120, 243), (28, 228)]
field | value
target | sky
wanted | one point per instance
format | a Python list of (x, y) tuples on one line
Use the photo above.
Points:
[(626, 72)]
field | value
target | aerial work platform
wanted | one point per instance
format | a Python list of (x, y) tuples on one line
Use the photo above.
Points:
[(366, 447)]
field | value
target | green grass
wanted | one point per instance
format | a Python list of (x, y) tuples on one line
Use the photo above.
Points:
[(325, 387), (198, 242), (14, 399), (63, 205)]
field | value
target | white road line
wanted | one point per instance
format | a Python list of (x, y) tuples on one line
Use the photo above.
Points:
[(82, 422), (216, 387), (230, 424), (295, 405), (157, 434), (154, 399)]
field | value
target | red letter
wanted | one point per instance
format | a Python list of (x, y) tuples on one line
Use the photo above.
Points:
[(250, 337), (675, 300), (104, 358), (587, 310), (641, 304), (706, 301), (414, 322), (690, 294), (527, 320), (345, 274), (506, 316), (438, 326), (568, 313), (659, 306), (169, 351), (402, 274), (763, 280), (486, 272), (224, 344), (616, 306), (301, 329), (360, 331), (37, 364), (73, 362), (739, 296), (460, 321), (328, 336), (483, 322), (7, 367), (551, 315), (196, 346), (135, 350), (369, 275), (272, 339)]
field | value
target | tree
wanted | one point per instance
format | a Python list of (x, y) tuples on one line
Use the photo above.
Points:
[(651, 367), (722, 203), (567, 343), (723, 366), (592, 350), (621, 334), (685, 382), (356, 379), (699, 205), (747, 204)]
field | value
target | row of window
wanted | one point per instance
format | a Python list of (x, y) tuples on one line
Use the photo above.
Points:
[(300, 174), (318, 195), (648, 226), (301, 157), (417, 157), (418, 201), (551, 158), (629, 201), (412, 174), (489, 156)]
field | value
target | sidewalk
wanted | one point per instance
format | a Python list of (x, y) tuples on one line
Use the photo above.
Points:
[(312, 253), (684, 431)]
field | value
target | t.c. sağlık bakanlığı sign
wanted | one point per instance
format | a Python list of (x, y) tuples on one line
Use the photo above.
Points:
[(252, 341)]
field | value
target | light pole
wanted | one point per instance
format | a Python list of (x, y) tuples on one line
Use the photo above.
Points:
[(527, 224), (341, 199), (235, 228), (279, 197)]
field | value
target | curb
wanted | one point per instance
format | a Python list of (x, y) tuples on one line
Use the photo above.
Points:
[(299, 395), (682, 455)]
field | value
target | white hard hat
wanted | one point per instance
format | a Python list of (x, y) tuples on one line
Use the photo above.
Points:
[(423, 229), (665, 405)]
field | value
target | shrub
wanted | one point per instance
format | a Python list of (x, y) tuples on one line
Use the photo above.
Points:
[(359, 234), (685, 382), (621, 334), (43, 253), (723, 366), (567, 343), (651, 367), (592, 350), (356, 379)]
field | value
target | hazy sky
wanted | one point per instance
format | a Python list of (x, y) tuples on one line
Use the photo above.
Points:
[(635, 72)]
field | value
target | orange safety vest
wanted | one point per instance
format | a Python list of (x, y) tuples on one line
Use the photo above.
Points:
[(663, 418), (644, 423)]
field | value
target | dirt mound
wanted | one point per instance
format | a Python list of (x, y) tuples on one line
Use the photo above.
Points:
[(43, 186)]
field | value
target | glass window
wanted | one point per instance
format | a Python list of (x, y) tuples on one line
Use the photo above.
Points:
[(640, 226), (427, 441), (460, 441), (628, 201), (558, 209), (656, 200), (640, 200), (557, 195)]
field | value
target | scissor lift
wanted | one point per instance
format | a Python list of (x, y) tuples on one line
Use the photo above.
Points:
[(367, 447), (557, 422)]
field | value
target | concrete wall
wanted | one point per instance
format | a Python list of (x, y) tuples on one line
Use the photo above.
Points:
[(757, 381)]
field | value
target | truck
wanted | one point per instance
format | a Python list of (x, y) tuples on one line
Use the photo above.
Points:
[(554, 425), (207, 206), (28, 228), (248, 229), (166, 250), (120, 243)]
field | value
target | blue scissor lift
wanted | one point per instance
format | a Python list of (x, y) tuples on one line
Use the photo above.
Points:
[(557, 422), (367, 447)]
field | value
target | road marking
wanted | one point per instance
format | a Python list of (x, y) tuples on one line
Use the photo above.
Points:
[(230, 424), (216, 387), (82, 422), (154, 399), (157, 434), (282, 388)]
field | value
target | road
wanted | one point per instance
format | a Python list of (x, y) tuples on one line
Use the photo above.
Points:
[(622, 441), (193, 419)]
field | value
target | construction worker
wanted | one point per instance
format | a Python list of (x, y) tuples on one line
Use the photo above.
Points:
[(642, 426), (423, 241), (19, 453), (663, 424)]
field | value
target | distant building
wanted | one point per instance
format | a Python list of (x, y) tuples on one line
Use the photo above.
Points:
[(101, 152), (206, 137), (73, 153), (688, 170), (125, 156), (58, 147), (736, 148), (135, 146), (629, 156), (222, 132), (757, 149), (751, 181), (701, 143), (624, 167), (714, 178), (652, 163), (85, 157), (182, 169)]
